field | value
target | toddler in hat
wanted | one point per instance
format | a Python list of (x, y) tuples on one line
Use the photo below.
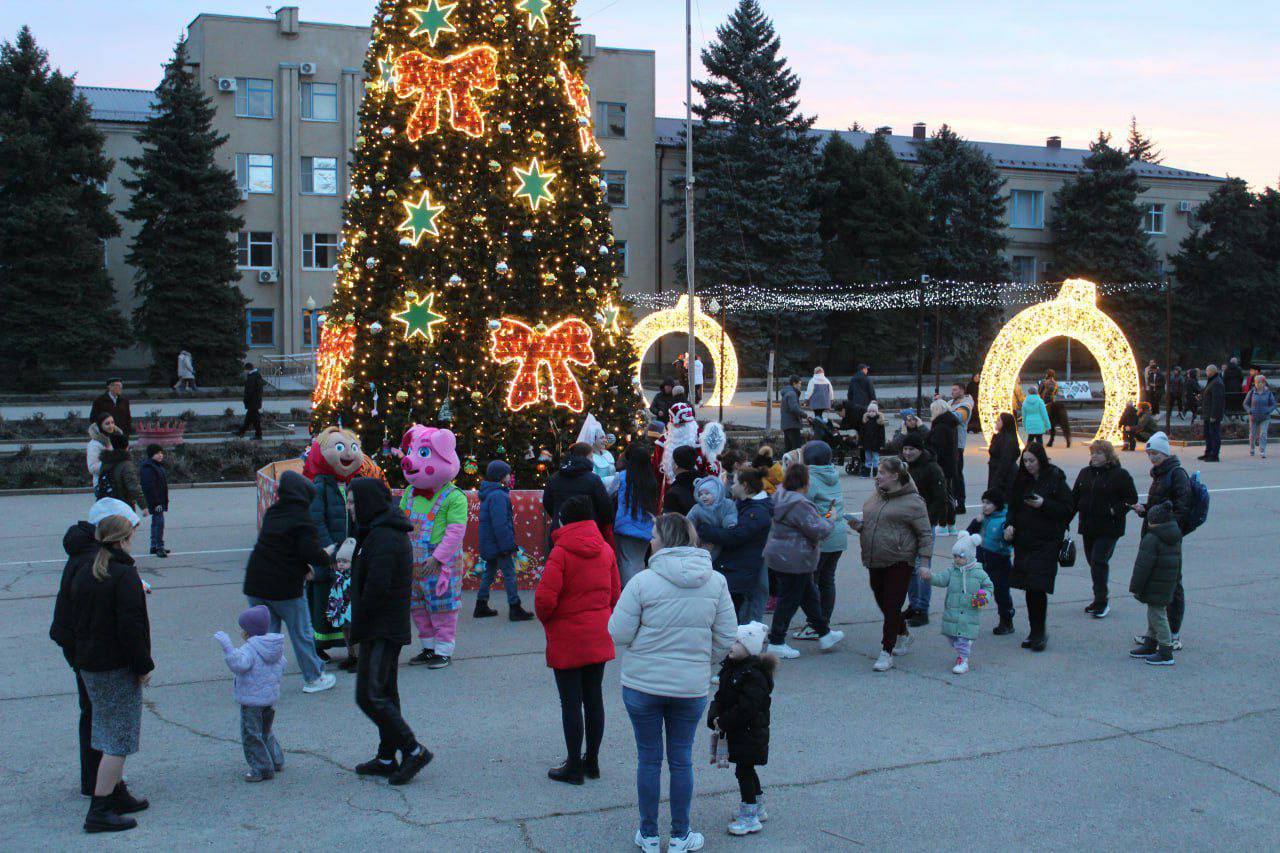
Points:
[(258, 666), (969, 590), (740, 712)]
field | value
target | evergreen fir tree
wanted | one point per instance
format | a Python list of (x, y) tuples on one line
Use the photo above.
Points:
[(57, 300), (754, 165), (184, 251), (476, 286), (1142, 147)]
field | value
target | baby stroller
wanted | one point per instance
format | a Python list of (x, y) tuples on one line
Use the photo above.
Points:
[(844, 443)]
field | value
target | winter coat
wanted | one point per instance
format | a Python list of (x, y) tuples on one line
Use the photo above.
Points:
[(1233, 376), (679, 497), (721, 513), (1102, 497), (828, 497), (1146, 427), (1002, 462), (674, 618), (1038, 533), (1213, 403), (1158, 567), (894, 447), (98, 444), (660, 408), (258, 666), (497, 521), (931, 484), (120, 467), (963, 409), (186, 370), (638, 525), (604, 465), (792, 414), (576, 595), (819, 393), (577, 477), (991, 527), (741, 705), (797, 532), (861, 390), (1171, 482), (81, 547), (112, 630), (117, 408), (254, 385), (944, 441), (742, 547), (155, 484), (895, 528), (381, 567), (871, 432), (329, 511), (960, 618), (287, 545), (1035, 416), (1260, 404)]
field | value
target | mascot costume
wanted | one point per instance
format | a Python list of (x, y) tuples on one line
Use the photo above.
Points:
[(332, 461), (683, 431), (438, 511)]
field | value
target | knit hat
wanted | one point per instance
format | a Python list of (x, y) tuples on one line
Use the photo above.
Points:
[(817, 453), (908, 413), (752, 636), (497, 471), (1159, 443), (913, 439), (966, 547), (107, 507), (256, 620), (1160, 513)]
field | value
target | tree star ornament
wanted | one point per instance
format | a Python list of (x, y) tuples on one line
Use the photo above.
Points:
[(536, 10), (419, 318), (534, 184), (433, 20), (421, 219), (387, 72)]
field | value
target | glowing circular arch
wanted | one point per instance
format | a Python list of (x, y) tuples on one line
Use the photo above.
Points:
[(1074, 313), (707, 331)]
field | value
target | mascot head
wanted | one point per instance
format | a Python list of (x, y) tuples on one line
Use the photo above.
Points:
[(334, 451), (430, 457)]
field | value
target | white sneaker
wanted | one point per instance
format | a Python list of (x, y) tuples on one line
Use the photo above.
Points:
[(903, 645), (321, 684), (783, 651), (805, 633), (746, 822), (761, 814), (829, 640), (649, 844), (692, 841), (884, 662), (939, 531), (1176, 643), (961, 667)]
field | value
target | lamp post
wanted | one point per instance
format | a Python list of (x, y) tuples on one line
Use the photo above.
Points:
[(723, 311), (1168, 348), (924, 280), (692, 349)]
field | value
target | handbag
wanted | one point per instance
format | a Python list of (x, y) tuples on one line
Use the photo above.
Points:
[(1067, 553)]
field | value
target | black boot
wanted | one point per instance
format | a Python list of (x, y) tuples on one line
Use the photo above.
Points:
[(591, 767), (1005, 627), (517, 613), (1039, 643), (102, 818), (483, 610), (570, 772), (122, 802), (1145, 649), (413, 761), (377, 767)]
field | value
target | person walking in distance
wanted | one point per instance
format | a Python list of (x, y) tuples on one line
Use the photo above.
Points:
[(254, 385), (1035, 417), (1101, 498), (1170, 483), (1039, 512), (1215, 409), (186, 373), (792, 418), (819, 393), (1153, 385), (861, 392), (699, 380), (1260, 404)]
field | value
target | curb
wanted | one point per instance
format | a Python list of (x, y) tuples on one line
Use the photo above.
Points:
[(88, 490)]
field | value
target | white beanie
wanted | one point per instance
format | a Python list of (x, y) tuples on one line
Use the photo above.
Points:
[(966, 547), (1159, 443), (107, 507), (752, 636)]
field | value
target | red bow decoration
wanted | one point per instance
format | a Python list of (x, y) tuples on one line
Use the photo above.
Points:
[(567, 342), (455, 76), (337, 346), (575, 89)]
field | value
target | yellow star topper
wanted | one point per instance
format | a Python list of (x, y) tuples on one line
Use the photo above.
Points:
[(421, 219), (534, 184), (536, 10)]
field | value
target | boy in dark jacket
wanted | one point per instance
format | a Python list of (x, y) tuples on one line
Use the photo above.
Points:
[(741, 557), (498, 543), (740, 713), (1156, 573), (155, 489)]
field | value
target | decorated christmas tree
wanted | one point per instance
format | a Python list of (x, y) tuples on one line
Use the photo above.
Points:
[(477, 282)]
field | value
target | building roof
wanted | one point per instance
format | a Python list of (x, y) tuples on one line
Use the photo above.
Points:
[(1037, 158), (125, 105)]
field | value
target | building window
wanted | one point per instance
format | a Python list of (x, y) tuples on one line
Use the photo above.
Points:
[(255, 98), (256, 173), (320, 175), (1026, 209), (617, 192), (260, 327), (256, 250), (1024, 269), (320, 101), (613, 120), (310, 329), (620, 252), (1153, 220), (319, 251)]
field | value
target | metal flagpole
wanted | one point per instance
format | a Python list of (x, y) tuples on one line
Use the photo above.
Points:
[(692, 349)]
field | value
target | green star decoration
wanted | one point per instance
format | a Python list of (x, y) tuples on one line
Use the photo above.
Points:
[(421, 219), (534, 184), (610, 313), (536, 10), (434, 20), (419, 318), (387, 72)]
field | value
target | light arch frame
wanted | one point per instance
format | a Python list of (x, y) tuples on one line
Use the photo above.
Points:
[(707, 330)]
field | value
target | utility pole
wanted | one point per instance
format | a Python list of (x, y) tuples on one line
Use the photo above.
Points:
[(924, 280), (937, 346), (692, 349), (1168, 347)]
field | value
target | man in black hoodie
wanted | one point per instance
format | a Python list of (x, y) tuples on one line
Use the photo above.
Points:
[(381, 580), (931, 483), (254, 385), (578, 477)]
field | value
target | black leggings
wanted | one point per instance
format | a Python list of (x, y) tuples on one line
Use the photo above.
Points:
[(1037, 611), (378, 696), (748, 782), (580, 691), (826, 577)]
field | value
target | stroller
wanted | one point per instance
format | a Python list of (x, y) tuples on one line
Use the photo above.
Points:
[(843, 443)]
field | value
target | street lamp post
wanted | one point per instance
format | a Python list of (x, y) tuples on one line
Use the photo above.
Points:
[(924, 280)]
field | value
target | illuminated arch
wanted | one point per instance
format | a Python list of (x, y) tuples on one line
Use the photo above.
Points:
[(647, 332), (1074, 313)]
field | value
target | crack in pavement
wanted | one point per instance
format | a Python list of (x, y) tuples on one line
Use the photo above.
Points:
[(1213, 764)]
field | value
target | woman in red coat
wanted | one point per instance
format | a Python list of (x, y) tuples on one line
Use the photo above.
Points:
[(575, 599)]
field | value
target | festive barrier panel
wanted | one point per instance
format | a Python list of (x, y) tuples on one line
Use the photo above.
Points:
[(532, 527)]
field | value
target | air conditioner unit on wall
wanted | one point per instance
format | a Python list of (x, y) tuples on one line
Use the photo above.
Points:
[(1185, 207), (307, 69), (268, 276), (244, 193), (226, 84)]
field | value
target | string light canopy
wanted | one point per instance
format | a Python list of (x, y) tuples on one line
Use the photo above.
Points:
[(707, 331), (1073, 313)]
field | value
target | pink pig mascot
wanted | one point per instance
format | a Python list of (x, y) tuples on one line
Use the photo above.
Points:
[(438, 511)]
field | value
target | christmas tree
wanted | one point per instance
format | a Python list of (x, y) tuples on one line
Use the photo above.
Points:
[(476, 286)]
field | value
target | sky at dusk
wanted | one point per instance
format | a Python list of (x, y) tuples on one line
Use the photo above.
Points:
[(1202, 78)]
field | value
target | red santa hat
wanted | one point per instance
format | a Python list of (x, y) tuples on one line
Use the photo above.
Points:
[(681, 413)]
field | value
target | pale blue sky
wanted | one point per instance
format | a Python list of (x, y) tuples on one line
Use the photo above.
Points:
[(1202, 77)]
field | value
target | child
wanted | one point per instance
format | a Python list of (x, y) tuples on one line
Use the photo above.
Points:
[(713, 506), (995, 554), (968, 588), (259, 666), (771, 471), (740, 710), (871, 438), (338, 607), (1156, 573), (498, 542), (155, 488)]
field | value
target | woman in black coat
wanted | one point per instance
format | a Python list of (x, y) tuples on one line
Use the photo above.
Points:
[(1039, 512), (1102, 495), (1002, 464), (944, 441)]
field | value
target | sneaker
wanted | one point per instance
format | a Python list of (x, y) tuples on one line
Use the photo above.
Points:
[(256, 776), (377, 767), (1163, 656), (771, 605), (1005, 627), (746, 822), (1146, 647), (1092, 607), (1102, 610), (939, 531), (516, 613), (805, 633), (1176, 643), (883, 663), (828, 640), (648, 843), (483, 610), (783, 651), (918, 618), (409, 767), (439, 662), (951, 530), (761, 814), (692, 841), (321, 684), (903, 645), (961, 667), (423, 657)]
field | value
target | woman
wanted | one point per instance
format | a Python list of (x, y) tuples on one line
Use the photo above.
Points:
[(118, 476), (1191, 389), (1102, 495), (944, 441), (186, 373), (1002, 466), (602, 461), (827, 495), (1058, 416), (575, 599), (971, 390), (897, 541), (113, 656), (818, 394), (1260, 403), (99, 442), (637, 502), (1039, 512), (1035, 417), (673, 620)]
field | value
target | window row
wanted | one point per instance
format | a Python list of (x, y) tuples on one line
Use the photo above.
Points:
[(260, 328), (257, 250), (256, 98), (256, 174), (1026, 210)]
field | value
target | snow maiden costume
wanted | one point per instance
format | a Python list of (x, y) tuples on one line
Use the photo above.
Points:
[(333, 459)]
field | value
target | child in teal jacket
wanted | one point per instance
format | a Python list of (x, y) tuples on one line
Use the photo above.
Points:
[(1035, 416), (968, 591)]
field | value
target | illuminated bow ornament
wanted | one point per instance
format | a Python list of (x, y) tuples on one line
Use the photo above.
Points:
[(1074, 313), (579, 95), (456, 77), (566, 343), (337, 345)]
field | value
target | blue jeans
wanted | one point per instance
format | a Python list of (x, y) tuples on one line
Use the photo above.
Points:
[(507, 563), (753, 608), (1258, 428), (919, 593), (296, 614), (648, 714), (157, 530)]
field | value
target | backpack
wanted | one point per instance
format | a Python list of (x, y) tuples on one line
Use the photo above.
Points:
[(1198, 512), (106, 487)]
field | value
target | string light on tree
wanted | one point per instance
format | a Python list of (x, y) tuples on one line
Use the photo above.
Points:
[(337, 345)]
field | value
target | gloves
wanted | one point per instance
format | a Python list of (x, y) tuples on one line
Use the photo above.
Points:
[(223, 639), (442, 584)]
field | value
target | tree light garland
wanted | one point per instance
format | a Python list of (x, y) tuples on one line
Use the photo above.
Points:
[(706, 330)]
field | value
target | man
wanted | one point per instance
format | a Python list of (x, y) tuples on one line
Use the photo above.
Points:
[(1214, 409), (1233, 382), (679, 495), (660, 408), (1169, 482), (113, 403), (911, 425), (861, 393), (931, 483), (577, 476), (699, 378), (1153, 382), (253, 388), (792, 414), (962, 406), (681, 365)]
